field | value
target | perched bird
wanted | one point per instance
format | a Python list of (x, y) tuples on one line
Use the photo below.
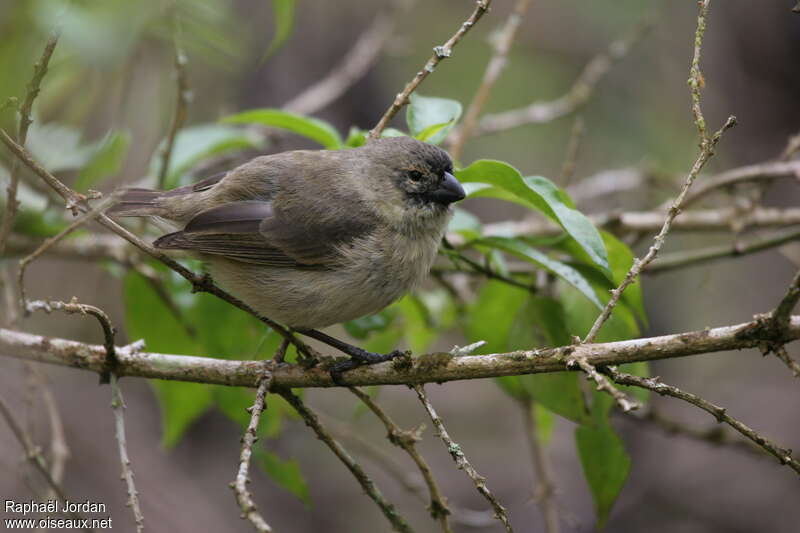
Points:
[(313, 238)]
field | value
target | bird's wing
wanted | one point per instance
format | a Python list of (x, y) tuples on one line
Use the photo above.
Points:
[(251, 231)]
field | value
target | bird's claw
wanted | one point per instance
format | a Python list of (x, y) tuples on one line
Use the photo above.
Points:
[(360, 358)]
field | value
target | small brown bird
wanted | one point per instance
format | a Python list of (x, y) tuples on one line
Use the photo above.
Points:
[(313, 238)]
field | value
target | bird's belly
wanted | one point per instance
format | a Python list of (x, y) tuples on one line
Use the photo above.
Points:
[(301, 299)]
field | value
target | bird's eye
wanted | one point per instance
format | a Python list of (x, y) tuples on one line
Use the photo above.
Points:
[(415, 175)]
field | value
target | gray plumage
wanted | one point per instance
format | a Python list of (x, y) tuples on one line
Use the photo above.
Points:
[(313, 238)]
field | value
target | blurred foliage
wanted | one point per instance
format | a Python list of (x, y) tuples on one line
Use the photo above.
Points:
[(581, 264)]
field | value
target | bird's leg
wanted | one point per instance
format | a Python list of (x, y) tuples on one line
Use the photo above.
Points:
[(358, 356)]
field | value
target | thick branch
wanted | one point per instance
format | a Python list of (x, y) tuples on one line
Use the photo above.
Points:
[(436, 367)]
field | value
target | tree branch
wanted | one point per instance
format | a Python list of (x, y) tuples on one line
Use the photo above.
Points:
[(239, 485), (39, 70), (493, 70), (312, 420), (461, 460), (428, 368), (653, 384), (577, 95), (439, 53)]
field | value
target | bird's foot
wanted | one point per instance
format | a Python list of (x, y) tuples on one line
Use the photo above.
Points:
[(359, 357)]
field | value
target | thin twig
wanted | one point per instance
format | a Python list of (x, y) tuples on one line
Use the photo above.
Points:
[(39, 70), (34, 455), (603, 384), (407, 441), (762, 171), (791, 364), (714, 436), (461, 460), (544, 492), (439, 53), (707, 146), (353, 66), (686, 258), (50, 241), (493, 70), (183, 96), (581, 91), (239, 485), (426, 368), (783, 312), (706, 152), (784, 456), (118, 407), (573, 146), (696, 81), (312, 420)]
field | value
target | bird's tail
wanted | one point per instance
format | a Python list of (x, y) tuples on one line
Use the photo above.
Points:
[(136, 202)]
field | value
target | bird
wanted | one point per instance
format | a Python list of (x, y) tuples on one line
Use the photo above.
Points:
[(312, 238)]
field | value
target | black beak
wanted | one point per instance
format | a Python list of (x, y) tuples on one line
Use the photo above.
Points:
[(449, 191)]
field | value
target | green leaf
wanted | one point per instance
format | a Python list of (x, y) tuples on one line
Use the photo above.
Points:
[(234, 402), (522, 250), (492, 314), (195, 143), (285, 473), (541, 322), (605, 462), (283, 14), (580, 316), (464, 223), (541, 194), (432, 117), (545, 423), (312, 128), (355, 137), (105, 162), (181, 404), (430, 132), (360, 328)]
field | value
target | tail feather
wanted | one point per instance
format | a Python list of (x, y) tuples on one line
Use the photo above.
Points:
[(136, 202)]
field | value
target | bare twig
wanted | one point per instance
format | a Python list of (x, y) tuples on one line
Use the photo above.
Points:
[(39, 70), (783, 312), (706, 152), (461, 460), (118, 407), (73, 307), (696, 81), (791, 364), (602, 382), (693, 257), (761, 171), (312, 420), (407, 441), (239, 485), (183, 96), (714, 436), (496, 65), (353, 66), (545, 490), (784, 456), (427, 368), (50, 241), (34, 455), (573, 146), (575, 97), (707, 146), (439, 53)]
